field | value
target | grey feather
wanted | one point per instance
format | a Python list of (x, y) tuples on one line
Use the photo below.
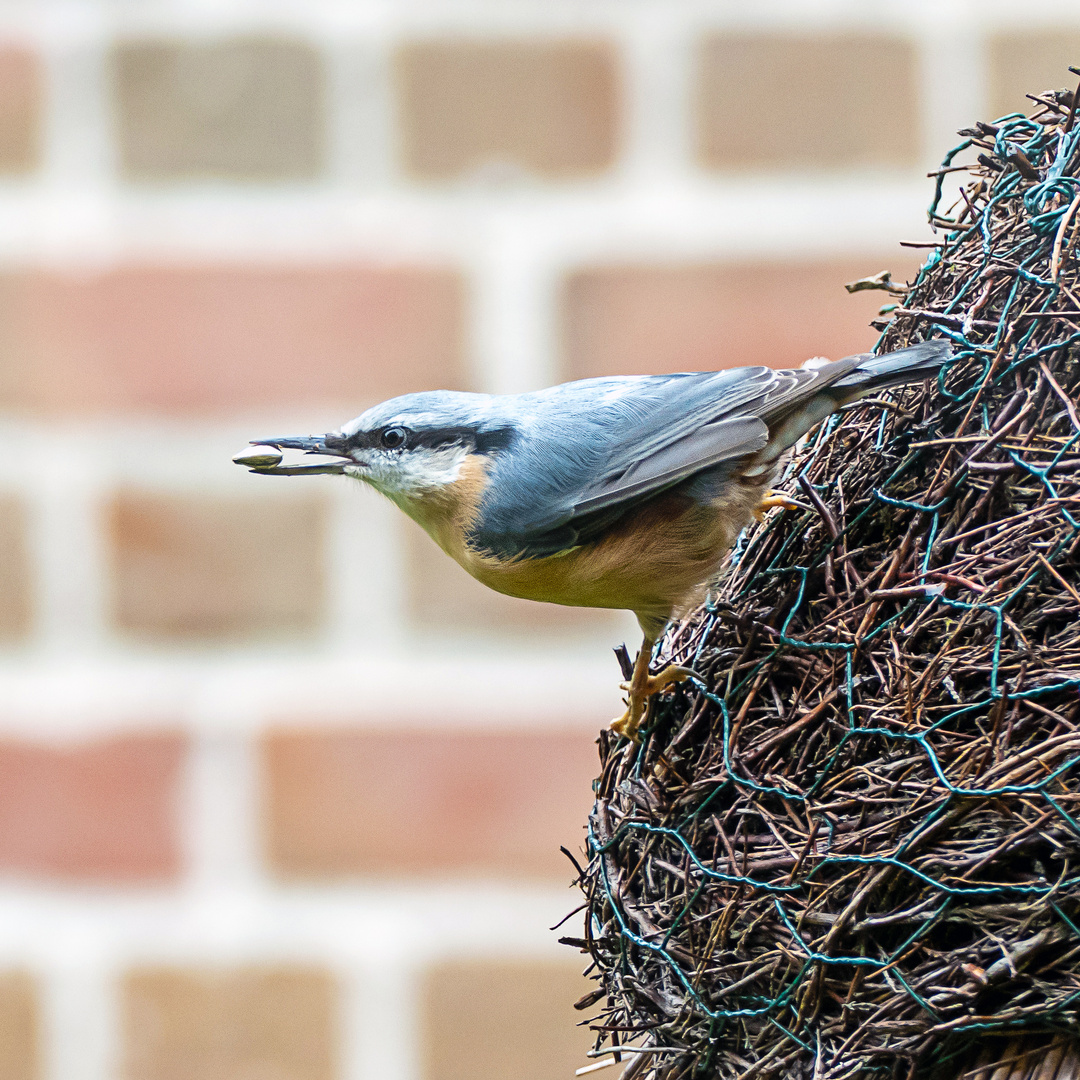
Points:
[(903, 366), (711, 444), (587, 452)]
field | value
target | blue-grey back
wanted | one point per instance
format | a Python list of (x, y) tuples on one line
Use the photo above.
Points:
[(571, 437)]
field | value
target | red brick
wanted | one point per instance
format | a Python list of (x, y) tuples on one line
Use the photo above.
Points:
[(830, 102), (345, 803), (549, 108), (238, 109), (198, 566), (20, 1050), (442, 598), (492, 1020), (630, 320), (225, 338), (100, 811), (15, 571), (247, 1024), (20, 110), (1029, 62)]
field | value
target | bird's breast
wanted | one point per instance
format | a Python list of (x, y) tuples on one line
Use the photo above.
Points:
[(449, 512), (654, 560)]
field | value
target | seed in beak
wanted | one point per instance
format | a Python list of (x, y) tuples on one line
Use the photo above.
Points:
[(258, 457)]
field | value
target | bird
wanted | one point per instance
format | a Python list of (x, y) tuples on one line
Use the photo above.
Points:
[(619, 492)]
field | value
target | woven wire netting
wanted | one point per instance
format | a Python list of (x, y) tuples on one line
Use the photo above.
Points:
[(851, 846)]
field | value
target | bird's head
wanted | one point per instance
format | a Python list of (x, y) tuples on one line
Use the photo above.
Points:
[(413, 449)]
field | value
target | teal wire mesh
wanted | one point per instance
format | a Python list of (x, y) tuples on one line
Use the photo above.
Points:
[(851, 846)]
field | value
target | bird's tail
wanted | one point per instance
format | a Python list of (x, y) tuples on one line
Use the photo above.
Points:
[(845, 381), (893, 369)]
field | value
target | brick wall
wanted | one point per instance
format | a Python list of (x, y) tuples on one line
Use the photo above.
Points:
[(281, 788)]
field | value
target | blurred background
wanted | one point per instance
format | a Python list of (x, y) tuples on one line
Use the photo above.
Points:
[(281, 789)]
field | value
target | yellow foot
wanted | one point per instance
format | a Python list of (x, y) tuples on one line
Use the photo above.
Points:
[(621, 726), (655, 683), (628, 724), (773, 499)]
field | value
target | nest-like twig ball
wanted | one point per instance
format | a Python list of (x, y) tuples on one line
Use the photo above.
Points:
[(852, 847)]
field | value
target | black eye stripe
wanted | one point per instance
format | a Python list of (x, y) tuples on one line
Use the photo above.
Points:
[(483, 442), (495, 439), (436, 438), (360, 440)]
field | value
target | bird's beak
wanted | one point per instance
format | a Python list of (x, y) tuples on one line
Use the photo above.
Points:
[(264, 455)]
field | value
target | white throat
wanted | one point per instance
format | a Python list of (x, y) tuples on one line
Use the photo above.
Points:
[(412, 474)]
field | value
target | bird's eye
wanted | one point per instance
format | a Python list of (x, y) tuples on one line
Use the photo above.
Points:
[(393, 437)]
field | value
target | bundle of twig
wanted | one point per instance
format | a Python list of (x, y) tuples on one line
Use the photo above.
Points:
[(853, 845)]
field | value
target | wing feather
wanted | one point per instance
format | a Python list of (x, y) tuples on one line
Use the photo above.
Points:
[(711, 444), (588, 451)]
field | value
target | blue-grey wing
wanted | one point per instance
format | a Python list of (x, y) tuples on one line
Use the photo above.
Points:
[(586, 452)]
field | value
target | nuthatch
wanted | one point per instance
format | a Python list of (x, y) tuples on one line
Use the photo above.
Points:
[(615, 492)]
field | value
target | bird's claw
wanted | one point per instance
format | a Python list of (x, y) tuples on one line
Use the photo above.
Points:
[(621, 726), (627, 725), (655, 683), (773, 499)]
